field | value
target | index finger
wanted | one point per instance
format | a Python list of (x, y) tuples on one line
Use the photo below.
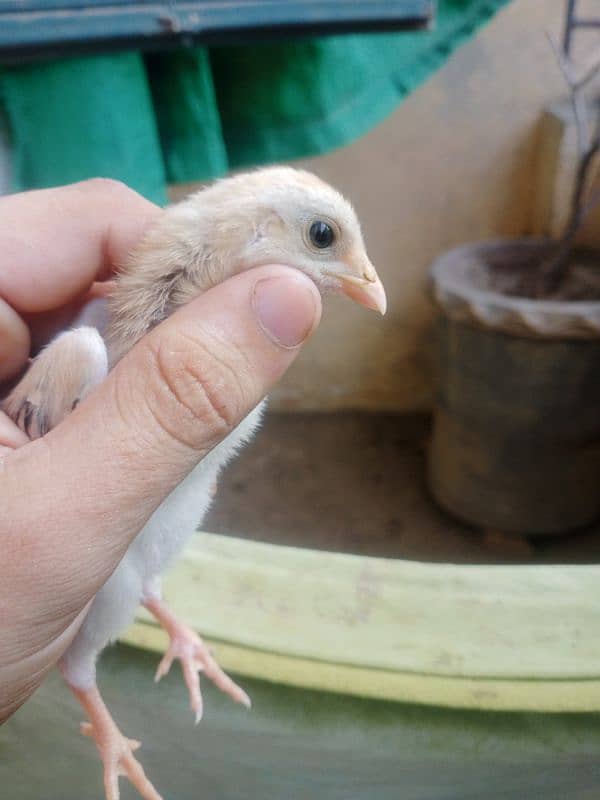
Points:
[(54, 243)]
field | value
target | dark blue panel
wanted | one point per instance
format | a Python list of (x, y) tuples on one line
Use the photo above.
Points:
[(34, 28)]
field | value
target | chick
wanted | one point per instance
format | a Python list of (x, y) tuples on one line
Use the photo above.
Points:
[(274, 215)]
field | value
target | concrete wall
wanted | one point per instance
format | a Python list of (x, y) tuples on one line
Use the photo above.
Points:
[(456, 162)]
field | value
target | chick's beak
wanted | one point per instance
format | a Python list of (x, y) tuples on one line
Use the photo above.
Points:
[(365, 288)]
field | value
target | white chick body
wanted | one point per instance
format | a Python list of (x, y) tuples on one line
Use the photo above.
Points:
[(197, 244), (154, 549)]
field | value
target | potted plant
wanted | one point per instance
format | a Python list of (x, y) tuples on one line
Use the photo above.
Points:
[(516, 437)]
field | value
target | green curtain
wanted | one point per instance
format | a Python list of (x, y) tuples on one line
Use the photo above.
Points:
[(194, 114)]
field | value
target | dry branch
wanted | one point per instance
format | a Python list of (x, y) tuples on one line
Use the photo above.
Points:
[(551, 273)]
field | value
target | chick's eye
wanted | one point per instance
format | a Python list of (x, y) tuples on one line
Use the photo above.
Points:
[(321, 235)]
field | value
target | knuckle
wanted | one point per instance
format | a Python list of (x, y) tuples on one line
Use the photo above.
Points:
[(106, 186), (194, 394)]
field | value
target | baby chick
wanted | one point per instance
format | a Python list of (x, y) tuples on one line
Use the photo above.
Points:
[(274, 215)]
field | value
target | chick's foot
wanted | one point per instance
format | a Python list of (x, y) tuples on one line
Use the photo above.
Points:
[(195, 657), (115, 749)]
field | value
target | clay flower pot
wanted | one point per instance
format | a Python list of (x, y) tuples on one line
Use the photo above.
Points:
[(516, 439)]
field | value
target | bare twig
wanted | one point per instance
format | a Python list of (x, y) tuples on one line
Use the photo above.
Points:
[(577, 100), (551, 273), (591, 203), (589, 72)]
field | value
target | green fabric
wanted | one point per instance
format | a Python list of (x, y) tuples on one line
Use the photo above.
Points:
[(75, 119), (193, 114)]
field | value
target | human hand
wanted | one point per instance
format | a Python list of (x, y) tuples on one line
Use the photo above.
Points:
[(58, 247), (73, 501)]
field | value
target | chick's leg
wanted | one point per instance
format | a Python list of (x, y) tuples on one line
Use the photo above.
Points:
[(195, 657), (115, 749)]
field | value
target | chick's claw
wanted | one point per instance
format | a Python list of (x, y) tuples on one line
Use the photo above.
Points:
[(63, 373), (115, 749), (120, 761), (195, 657), (87, 729)]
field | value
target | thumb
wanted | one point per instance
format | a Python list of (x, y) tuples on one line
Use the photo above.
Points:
[(77, 497)]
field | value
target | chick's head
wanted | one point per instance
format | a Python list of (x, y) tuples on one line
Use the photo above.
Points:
[(301, 221), (276, 215)]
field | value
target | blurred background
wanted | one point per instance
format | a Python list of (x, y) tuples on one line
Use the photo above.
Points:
[(457, 133), (462, 428)]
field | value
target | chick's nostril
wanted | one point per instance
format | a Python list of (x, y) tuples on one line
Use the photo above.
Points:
[(367, 271)]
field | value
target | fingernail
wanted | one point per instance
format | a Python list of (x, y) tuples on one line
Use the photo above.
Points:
[(286, 308)]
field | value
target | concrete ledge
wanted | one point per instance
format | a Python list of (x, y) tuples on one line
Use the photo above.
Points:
[(486, 637)]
